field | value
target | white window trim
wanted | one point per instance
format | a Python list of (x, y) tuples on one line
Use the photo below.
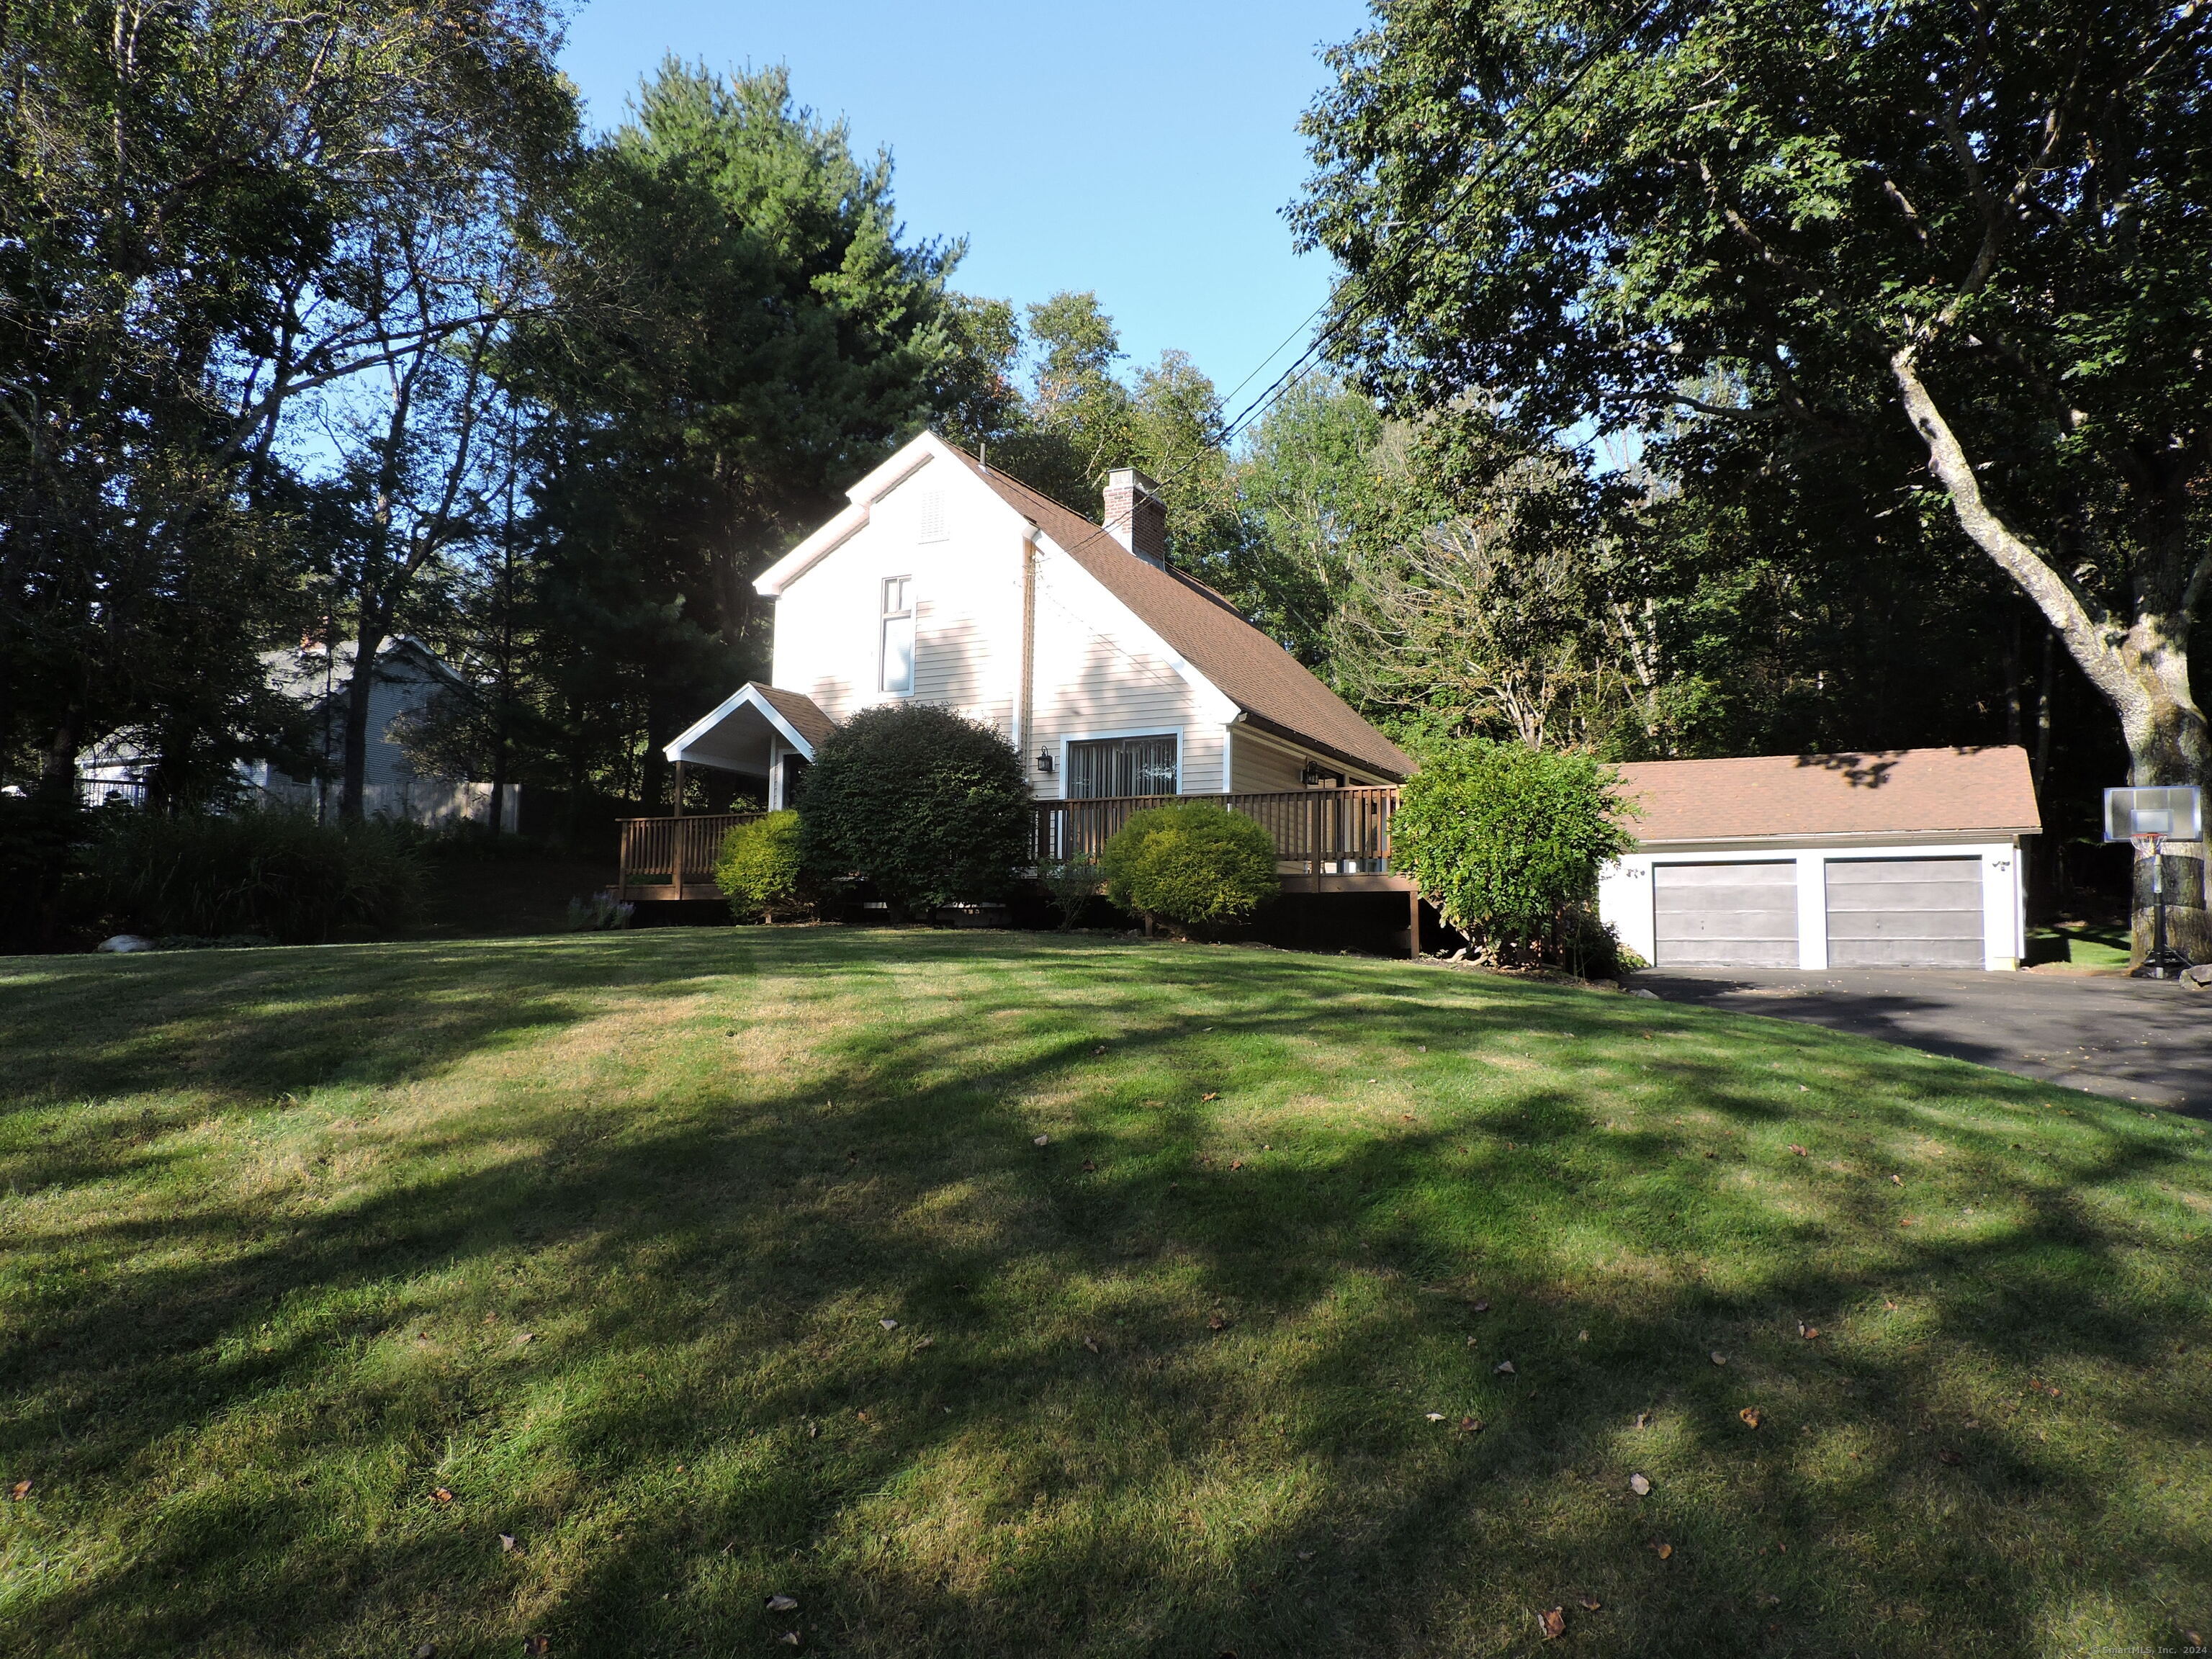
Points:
[(913, 650), (1068, 739)]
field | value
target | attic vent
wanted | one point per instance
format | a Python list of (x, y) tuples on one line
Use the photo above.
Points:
[(933, 515)]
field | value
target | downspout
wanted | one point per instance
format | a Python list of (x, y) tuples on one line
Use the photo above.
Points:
[(1025, 696)]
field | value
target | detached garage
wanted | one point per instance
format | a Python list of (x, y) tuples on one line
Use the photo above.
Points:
[(1907, 859)]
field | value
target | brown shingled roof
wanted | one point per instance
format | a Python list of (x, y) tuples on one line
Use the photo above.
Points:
[(1881, 792), (1272, 688), (804, 714)]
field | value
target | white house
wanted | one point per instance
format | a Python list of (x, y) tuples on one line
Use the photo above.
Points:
[(1904, 859), (946, 582)]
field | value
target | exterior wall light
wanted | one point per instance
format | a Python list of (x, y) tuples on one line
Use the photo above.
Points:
[(1044, 762)]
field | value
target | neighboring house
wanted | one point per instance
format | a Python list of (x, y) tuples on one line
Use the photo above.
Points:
[(1903, 859), (407, 676), (946, 582)]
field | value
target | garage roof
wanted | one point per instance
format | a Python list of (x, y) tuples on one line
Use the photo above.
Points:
[(1896, 792)]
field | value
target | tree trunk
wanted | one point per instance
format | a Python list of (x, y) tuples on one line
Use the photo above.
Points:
[(360, 687), (2140, 666)]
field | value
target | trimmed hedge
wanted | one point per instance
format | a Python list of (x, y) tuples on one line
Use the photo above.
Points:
[(1196, 863), (930, 808), (1507, 841), (761, 871)]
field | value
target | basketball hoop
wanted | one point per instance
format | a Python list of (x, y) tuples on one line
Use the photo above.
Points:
[(2147, 846)]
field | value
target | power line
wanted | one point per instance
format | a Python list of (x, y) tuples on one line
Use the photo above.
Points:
[(1498, 153), (1307, 360)]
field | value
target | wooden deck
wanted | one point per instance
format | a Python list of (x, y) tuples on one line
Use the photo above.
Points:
[(1327, 841)]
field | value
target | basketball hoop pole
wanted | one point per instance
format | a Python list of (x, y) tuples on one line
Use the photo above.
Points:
[(2162, 962)]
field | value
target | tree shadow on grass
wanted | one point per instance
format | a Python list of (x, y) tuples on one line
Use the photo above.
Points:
[(1079, 1461)]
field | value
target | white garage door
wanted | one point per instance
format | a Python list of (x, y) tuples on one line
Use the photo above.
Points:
[(1905, 913), (1725, 916)]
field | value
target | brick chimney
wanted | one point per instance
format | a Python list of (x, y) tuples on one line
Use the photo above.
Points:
[(1136, 517)]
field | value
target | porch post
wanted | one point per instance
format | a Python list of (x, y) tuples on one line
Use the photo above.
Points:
[(679, 789)]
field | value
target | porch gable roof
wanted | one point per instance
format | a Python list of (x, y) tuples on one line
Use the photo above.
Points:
[(735, 736)]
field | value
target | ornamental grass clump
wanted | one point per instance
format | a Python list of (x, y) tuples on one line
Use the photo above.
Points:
[(762, 871), (1195, 863), (1507, 841), (926, 807), (277, 874)]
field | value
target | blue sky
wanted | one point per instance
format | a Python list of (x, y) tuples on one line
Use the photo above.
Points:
[(1144, 149)]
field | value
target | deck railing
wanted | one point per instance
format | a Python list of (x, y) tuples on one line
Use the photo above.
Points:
[(671, 852), (1316, 831)]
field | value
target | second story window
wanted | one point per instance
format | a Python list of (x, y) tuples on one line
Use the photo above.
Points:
[(898, 634)]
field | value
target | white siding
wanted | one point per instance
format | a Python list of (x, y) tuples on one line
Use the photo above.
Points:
[(1102, 671), (1260, 767), (967, 598)]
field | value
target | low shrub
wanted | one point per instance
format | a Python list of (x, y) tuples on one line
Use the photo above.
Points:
[(1195, 863), (1070, 885), (1507, 841), (930, 808), (277, 874), (760, 872), (602, 912)]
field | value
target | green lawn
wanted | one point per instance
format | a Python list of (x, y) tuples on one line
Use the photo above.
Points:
[(321, 1270)]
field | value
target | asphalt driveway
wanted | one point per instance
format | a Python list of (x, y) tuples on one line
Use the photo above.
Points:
[(2132, 1039)]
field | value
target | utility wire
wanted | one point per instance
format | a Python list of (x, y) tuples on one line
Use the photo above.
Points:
[(1347, 310)]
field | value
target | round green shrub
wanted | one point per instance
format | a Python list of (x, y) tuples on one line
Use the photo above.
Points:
[(1195, 863), (760, 872), (1507, 841), (930, 808)]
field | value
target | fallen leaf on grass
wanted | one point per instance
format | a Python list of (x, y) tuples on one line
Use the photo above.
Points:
[(441, 1495), (1808, 1331), (1552, 1621), (1215, 1096), (1640, 1485), (1092, 1343), (506, 1544), (1664, 1552), (1436, 1417), (789, 1638), (1800, 1150), (1590, 1603), (782, 1603), (888, 1324), (428, 1650), (534, 1645), (1042, 1141), (1099, 1050), (1897, 1180), (1089, 1166), (1236, 1162), (1948, 1456), (19, 1492), (1216, 1323), (1753, 1417), (1643, 1419), (1482, 1307), (926, 1342), (1470, 1425), (1505, 1368), (1719, 1358)]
